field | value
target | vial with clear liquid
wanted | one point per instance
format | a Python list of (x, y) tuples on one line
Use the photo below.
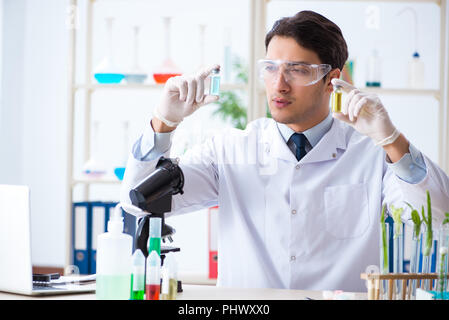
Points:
[(214, 89)]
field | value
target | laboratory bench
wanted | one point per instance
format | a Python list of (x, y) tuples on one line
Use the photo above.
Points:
[(204, 292)]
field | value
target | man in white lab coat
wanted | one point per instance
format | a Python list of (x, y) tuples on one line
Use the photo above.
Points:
[(300, 195)]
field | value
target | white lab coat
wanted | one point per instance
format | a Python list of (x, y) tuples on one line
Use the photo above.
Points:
[(312, 224)]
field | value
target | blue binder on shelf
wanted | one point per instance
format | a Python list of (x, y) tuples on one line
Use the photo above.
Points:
[(81, 236), (99, 226)]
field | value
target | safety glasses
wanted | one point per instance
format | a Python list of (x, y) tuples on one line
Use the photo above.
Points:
[(294, 73)]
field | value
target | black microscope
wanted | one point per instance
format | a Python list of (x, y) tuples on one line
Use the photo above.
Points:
[(153, 195)]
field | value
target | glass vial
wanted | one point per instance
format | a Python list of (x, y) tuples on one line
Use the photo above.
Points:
[(214, 89), (336, 99)]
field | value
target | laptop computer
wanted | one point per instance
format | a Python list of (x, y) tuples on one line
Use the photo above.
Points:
[(16, 273)]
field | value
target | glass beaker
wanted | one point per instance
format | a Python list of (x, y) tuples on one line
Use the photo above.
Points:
[(106, 71), (168, 68)]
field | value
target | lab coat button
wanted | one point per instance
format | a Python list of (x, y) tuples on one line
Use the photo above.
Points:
[(293, 211), (297, 166), (292, 258)]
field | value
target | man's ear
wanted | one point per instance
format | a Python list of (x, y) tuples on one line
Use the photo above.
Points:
[(334, 73)]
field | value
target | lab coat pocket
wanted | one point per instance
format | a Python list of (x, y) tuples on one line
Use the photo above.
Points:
[(347, 211)]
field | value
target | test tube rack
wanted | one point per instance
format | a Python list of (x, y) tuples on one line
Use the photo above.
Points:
[(376, 290)]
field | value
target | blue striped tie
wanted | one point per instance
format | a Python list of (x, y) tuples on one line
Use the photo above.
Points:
[(300, 141)]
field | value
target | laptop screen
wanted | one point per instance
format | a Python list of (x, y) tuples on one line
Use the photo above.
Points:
[(15, 239)]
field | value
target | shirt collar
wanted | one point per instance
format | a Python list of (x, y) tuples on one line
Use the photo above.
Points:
[(313, 134)]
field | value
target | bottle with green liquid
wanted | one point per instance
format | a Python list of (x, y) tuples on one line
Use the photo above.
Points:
[(155, 235), (138, 276)]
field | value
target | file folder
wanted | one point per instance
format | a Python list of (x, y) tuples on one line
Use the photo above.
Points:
[(81, 240), (99, 223)]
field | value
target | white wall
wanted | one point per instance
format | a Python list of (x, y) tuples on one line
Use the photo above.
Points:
[(34, 117)]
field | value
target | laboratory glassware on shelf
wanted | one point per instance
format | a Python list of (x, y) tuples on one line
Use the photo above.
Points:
[(136, 74), (119, 171), (373, 72), (415, 65), (94, 167), (106, 71), (168, 68)]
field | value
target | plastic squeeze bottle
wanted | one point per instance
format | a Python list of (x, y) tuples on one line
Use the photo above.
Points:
[(114, 251)]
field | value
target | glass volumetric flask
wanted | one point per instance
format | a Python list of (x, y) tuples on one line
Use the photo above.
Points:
[(136, 74), (106, 71), (168, 68)]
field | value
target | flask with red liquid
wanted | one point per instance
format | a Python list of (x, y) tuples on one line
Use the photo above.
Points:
[(168, 68)]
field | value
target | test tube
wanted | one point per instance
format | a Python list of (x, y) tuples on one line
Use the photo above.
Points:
[(215, 82), (336, 99), (153, 285), (155, 235), (138, 276), (169, 278)]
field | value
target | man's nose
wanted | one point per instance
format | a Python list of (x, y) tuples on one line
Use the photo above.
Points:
[(280, 82)]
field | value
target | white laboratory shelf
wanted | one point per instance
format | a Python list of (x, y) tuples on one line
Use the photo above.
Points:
[(403, 91), (103, 180), (147, 86)]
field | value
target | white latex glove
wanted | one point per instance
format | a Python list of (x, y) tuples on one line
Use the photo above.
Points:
[(182, 96), (366, 114)]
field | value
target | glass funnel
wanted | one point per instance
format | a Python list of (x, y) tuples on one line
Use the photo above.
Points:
[(168, 68), (106, 71)]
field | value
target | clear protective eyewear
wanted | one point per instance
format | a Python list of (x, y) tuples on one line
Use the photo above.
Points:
[(295, 73)]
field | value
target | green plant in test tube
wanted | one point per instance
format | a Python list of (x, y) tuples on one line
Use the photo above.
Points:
[(428, 222), (384, 241), (398, 245), (396, 213)]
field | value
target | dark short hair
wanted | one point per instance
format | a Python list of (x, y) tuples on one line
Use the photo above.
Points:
[(314, 32)]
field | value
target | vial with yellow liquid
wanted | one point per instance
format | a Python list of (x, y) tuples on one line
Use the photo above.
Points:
[(336, 99)]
